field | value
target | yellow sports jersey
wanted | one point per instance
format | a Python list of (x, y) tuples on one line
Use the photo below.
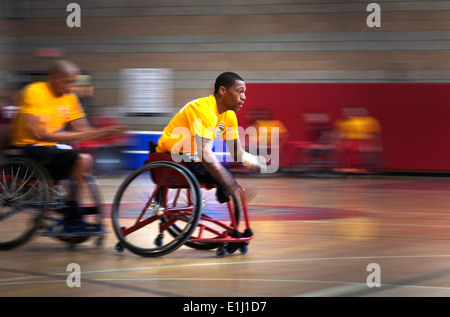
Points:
[(198, 117), (367, 127), (347, 127), (264, 131), (358, 128), (54, 113)]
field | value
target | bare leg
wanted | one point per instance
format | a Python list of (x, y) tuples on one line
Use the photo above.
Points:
[(82, 166)]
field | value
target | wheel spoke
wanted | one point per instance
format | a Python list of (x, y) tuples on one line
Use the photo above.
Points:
[(22, 201)]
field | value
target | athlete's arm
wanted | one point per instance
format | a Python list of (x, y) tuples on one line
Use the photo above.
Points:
[(36, 129), (83, 125)]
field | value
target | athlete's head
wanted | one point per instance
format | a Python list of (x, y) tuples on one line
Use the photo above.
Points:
[(62, 75), (230, 89)]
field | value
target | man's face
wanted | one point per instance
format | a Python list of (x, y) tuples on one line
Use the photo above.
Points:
[(62, 83), (235, 96)]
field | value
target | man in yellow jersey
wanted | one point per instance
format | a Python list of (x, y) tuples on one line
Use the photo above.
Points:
[(359, 144), (193, 129), (45, 109)]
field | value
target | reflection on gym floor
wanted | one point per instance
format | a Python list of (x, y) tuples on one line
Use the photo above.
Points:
[(313, 237)]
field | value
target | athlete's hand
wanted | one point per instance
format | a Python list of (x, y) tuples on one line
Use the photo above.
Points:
[(257, 163), (262, 164), (112, 131)]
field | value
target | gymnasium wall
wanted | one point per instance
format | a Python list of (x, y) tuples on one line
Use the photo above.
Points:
[(413, 116), (7, 59), (271, 43)]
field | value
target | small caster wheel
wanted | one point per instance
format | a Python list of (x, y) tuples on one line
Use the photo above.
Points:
[(221, 251), (244, 249), (119, 247), (232, 247), (159, 240)]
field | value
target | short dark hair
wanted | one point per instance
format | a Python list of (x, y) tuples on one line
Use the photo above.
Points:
[(226, 80), (63, 67)]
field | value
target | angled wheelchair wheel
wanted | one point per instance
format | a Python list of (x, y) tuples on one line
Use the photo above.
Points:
[(23, 201), (151, 200), (213, 222)]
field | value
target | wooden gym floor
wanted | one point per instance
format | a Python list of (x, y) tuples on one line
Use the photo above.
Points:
[(313, 237)]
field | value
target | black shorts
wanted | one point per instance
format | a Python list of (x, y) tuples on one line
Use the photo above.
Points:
[(58, 162), (203, 176)]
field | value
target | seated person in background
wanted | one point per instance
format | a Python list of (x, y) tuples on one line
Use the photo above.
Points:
[(359, 143)]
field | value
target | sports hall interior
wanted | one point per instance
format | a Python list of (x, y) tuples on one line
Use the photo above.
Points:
[(315, 235)]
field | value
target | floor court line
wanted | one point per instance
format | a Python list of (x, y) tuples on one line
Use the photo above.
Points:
[(332, 291), (254, 262), (355, 287)]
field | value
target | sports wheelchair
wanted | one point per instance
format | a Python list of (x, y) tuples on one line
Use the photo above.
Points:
[(162, 206), (32, 203)]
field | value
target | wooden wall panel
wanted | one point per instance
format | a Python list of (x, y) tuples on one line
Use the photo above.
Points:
[(280, 61), (248, 24)]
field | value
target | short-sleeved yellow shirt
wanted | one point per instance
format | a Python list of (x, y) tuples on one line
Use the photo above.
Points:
[(54, 112), (264, 131), (358, 128), (198, 117)]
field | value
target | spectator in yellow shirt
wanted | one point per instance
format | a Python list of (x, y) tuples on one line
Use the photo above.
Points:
[(359, 143)]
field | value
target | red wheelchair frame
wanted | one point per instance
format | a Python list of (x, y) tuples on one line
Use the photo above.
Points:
[(229, 240)]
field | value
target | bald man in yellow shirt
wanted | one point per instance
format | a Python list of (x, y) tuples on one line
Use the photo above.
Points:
[(45, 109), (193, 129)]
